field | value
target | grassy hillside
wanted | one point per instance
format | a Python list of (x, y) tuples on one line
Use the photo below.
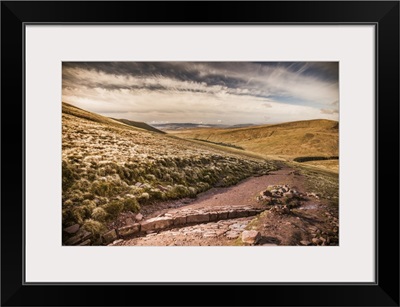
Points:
[(332, 165), (140, 125), (109, 167), (289, 140)]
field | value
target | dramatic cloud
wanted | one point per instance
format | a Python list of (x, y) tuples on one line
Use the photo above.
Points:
[(208, 92)]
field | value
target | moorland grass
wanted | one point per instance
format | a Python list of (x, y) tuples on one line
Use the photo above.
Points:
[(109, 167)]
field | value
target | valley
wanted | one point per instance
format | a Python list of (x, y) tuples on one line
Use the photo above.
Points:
[(128, 183), (285, 141)]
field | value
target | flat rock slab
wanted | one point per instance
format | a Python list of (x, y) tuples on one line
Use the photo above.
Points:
[(185, 217), (156, 223), (129, 230), (86, 235), (213, 216), (198, 218), (251, 236), (72, 229), (223, 215), (179, 220), (74, 240), (85, 243)]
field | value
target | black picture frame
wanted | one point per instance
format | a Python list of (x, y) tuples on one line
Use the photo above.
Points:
[(383, 14)]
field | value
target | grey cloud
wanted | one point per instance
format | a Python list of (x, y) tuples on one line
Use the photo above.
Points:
[(232, 75), (182, 86)]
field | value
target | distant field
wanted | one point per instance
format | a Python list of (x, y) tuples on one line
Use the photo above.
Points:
[(287, 140)]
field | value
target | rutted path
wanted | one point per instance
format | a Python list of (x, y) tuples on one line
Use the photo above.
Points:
[(215, 217)]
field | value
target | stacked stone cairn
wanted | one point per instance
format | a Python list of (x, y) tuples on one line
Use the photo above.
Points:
[(281, 198)]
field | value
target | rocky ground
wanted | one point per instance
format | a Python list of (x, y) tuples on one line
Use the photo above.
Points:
[(223, 232), (268, 210)]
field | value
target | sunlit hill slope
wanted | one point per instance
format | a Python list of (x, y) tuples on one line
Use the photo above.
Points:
[(109, 167), (293, 139)]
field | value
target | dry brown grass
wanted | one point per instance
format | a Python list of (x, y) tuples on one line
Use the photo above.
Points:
[(287, 140), (332, 165), (115, 167)]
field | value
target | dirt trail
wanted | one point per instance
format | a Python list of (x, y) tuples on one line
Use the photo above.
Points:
[(242, 194), (300, 225)]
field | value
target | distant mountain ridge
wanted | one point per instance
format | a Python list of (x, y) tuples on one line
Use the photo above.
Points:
[(180, 126), (141, 125)]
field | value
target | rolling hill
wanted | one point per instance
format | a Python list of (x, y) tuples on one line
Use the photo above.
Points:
[(288, 140), (140, 125), (109, 167)]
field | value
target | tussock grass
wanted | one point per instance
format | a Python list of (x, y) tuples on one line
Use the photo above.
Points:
[(109, 167), (96, 228)]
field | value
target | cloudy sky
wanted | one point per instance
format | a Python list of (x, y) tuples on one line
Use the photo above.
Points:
[(204, 92)]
